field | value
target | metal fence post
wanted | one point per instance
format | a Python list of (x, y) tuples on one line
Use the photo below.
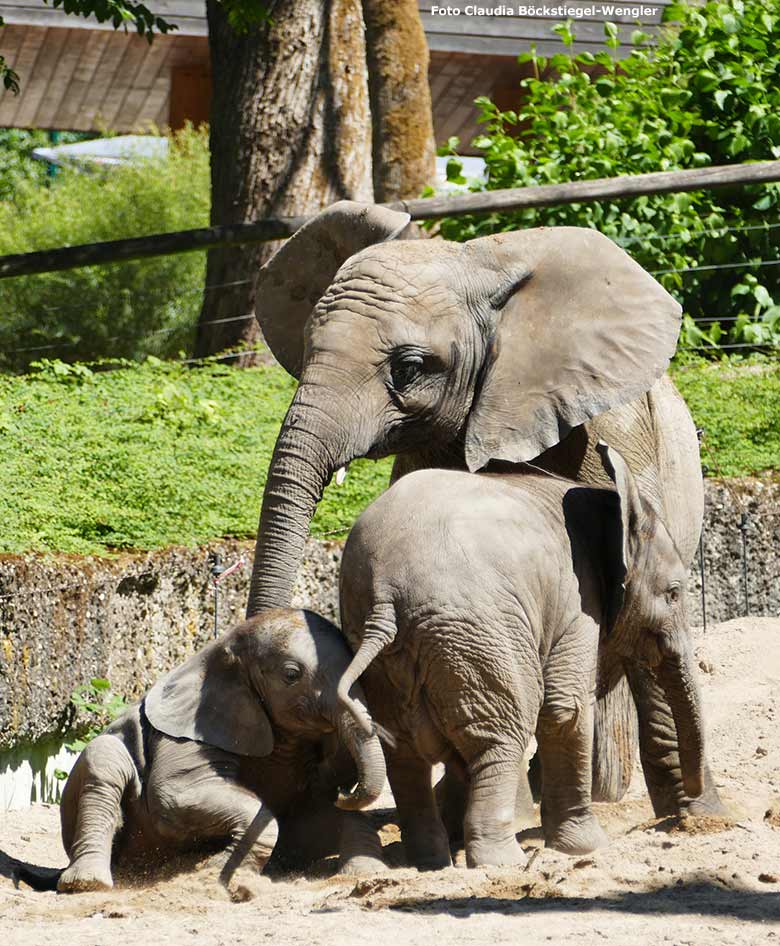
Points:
[(743, 524), (214, 561)]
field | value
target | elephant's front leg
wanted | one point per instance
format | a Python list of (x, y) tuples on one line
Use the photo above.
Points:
[(91, 813), (194, 795), (422, 832), (659, 755)]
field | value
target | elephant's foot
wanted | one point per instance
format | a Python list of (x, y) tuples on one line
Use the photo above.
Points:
[(362, 866), (485, 853), (708, 803), (246, 884), (666, 795), (426, 843), (579, 834), (84, 874)]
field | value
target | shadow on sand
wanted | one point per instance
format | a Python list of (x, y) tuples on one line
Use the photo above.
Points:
[(692, 896)]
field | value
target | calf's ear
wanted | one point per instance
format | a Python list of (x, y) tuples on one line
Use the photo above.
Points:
[(208, 699), (621, 530)]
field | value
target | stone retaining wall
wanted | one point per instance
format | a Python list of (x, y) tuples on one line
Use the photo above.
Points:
[(65, 619)]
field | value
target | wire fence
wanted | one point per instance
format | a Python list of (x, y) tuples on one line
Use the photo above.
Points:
[(732, 338)]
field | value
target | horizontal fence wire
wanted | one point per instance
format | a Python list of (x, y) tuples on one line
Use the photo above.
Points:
[(692, 236)]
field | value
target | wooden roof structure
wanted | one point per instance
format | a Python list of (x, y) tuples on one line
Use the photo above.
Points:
[(81, 75)]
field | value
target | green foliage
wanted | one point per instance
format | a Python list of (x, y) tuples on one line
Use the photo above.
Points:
[(17, 166), (738, 404), (707, 93), (119, 456), (95, 705), (7, 74), (122, 309)]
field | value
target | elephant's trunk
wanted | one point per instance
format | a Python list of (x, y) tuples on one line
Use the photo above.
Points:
[(366, 750), (676, 676), (301, 467)]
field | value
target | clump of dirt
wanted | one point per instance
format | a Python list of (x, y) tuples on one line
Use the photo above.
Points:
[(772, 814), (689, 824)]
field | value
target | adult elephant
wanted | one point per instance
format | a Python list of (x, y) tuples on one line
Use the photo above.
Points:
[(523, 346)]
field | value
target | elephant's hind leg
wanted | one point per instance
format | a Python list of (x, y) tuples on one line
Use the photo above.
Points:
[(564, 732), (91, 813)]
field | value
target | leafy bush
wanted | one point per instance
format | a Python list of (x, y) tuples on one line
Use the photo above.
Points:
[(95, 706), (706, 93), (16, 162), (121, 309)]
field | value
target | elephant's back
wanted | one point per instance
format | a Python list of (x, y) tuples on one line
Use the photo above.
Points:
[(435, 532)]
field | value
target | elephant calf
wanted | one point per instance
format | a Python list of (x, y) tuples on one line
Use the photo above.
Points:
[(247, 719), (476, 604)]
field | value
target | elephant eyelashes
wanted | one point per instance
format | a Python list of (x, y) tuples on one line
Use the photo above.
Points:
[(406, 369), (291, 673)]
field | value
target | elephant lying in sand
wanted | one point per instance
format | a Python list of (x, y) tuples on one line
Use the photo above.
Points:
[(248, 718), (476, 604)]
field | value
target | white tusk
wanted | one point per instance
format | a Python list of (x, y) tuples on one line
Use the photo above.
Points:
[(341, 474)]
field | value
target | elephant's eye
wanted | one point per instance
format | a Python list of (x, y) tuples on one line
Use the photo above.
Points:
[(673, 594), (292, 673), (405, 369)]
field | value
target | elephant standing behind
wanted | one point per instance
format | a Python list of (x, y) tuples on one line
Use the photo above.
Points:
[(524, 346), (475, 605), (252, 717)]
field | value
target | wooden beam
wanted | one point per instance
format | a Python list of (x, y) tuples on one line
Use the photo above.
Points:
[(158, 244), (430, 208), (605, 188)]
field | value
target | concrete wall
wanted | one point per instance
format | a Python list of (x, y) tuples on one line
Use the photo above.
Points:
[(724, 503), (65, 619)]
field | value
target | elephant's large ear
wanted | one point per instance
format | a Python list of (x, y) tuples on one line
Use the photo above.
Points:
[(621, 530), (579, 328), (293, 280), (208, 699)]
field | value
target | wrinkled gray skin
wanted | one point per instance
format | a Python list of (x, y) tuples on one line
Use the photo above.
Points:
[(475, 605), (247, 719), (525, 346)]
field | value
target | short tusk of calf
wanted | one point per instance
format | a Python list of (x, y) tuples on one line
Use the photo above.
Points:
[(341, 474)]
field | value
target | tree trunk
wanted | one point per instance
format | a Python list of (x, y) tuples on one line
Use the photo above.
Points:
[(290, 133), (397, 56)]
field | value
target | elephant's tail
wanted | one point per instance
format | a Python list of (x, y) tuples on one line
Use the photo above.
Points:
[(39, 878), (378, 632)]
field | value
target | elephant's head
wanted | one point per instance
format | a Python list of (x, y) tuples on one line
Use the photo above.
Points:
[(492, 349), (646, 616), (273, 676)]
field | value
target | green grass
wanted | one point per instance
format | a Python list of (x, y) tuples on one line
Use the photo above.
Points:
[(146, 456), (149, 456), (738, 405)]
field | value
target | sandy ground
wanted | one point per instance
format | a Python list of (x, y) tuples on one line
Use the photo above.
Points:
[(704, 881)]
